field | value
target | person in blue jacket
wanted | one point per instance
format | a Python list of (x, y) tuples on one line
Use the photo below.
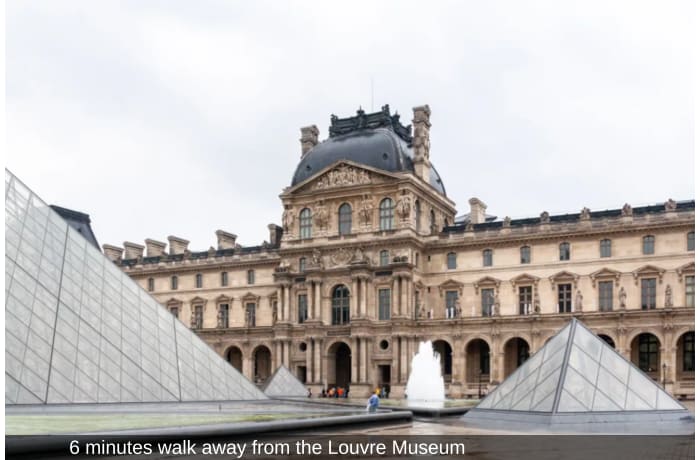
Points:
[(373, 402)]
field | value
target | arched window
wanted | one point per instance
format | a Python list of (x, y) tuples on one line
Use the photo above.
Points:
[(451, 260), (302, 265), (386, 214), (525, 255), (605, 248), (151, 284), (345, 219), (648, 245), (689, 352), (648, 353), (564, 251), (340, 305), (383, 257), (488, 257), (418, 216), (691, 241), (305, 224), (198, 280)]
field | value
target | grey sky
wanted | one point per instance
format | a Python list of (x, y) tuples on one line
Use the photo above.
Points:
[(182, 118)]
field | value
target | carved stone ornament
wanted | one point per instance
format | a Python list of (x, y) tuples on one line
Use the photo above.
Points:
[(544, 217), (506, 222), (343, 176), (316, 259), (287, 220), (403, 207), (578, 305), (623, 298), (341, 256), (585, 214), (365, 212), (627, 210), (670, 205), (668, 296), (359, 256), (321, 215)]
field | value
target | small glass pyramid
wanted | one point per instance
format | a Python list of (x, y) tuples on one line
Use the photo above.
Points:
[(284, 384)]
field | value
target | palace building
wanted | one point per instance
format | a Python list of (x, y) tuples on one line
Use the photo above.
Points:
[(372, 258)]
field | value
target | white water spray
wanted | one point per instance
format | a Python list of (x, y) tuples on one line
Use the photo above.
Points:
[(425, 382)]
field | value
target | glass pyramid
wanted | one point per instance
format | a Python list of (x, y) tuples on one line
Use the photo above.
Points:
[(78, 330), (284, 384)]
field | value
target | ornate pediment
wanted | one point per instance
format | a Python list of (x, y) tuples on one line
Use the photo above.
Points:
[(223, 298), (198, 301), (250, 297), (648, 270), (450, 285), (524, 279), (687, 269), (564, 277), (605, 274), (173, 302), (342, 174), (486, 282)]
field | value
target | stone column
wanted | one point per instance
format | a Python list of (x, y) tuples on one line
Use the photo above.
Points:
[(395, 306), (318, 375), (498, 363), (309, 361), (404, 358), (287, 302), (363, 360), (278, 354), (248, 368), (280, 302), (395, 361), (317, 301)]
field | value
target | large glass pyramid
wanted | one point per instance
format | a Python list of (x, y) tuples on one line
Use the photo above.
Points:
[(78, 330), (577, 373), (283, 384)]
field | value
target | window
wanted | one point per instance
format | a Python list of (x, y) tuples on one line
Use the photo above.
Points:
[(384, 304), (648, 245), (345, 219), (173, 282), (605, 248), (486, 302), (418, 215), (689, 352), (223, 315), (383, 257), (340, 305), (251, 276), (386, 214), (175, 311), (151, 284), (525, 255), (302, 265), (691, 241), (224, 278), (525, 300), (690, 291), (198, 317), (648, 293), (198, 280), (488, 257), (451, 260), (564, 296), (451, 304), (605, 296), (564, 251), (648, 353), (303, 308), (432, 221), (484, 361), (305, 224), (250, 314)]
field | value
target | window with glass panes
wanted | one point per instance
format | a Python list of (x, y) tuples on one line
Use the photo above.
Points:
[(648, 245), (251, 276), (302, 265), (648, 293), (564, 251), (488, 257), (224, 278), (384, 304), (525, 255), (345, 219), (451, 303), (524, 300), (250, 313), (451, 261), (691, 241), (151, 284), (605, 295), (198, 316), (689, 352), (690, 291), (340, 305), (303, 308), (648, 353), (605, 248), (223, 314), (386, 214), (173, 282), (564, 298), (384, 257), (486, 301), (198, 280), (305, 224)]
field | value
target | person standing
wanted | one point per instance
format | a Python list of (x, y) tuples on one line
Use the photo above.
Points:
[(373, 402)]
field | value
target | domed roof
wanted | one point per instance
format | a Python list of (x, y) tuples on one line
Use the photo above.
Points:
[(377, 140)]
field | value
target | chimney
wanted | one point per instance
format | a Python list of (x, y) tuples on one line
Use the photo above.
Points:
[(275, 235), (177, 245), (225, 240), (113, 253), (477, 211), (154, 248), (309, 138), (421, 141), (132, 250)]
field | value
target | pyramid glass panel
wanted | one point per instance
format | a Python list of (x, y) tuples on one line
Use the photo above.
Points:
[(284, 384)]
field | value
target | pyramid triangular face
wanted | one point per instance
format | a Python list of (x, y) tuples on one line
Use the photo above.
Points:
[(284, 384), (77, 329)]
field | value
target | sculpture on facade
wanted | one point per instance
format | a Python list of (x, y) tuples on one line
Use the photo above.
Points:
[(316, 259), (220, 318), (506, 222), (359, 256), (344, 175), (627, 210), (365, 212), (458, 309), (578, 306), (536, 302), (193, 319), (496, 305), (585, 214), (321, 215), (403, 207), (668, 296), (421, 133), (288, 220), (544, 217), (274, 313), (623, 298), (670, 205)]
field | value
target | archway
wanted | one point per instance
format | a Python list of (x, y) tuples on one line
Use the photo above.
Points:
[(339, 365), (478, 363), (234, 356), (515, 352), (445, 351), (645, 353), (685, 359), (262, 364), (607, 339)]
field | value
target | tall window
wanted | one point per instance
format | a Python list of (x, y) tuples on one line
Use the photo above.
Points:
[(224, 278), (605, 248), (251, 276), (451, 304), (305, 224), (525, 255), (488, 257), (151, 284), (648, 293), (648, 353), (690, 291), (386, 214), (648, 245), (484, 361), (198, 280), (564, 251), (223, 315), (451, 260), (691, 241), (250, 314), (175, 311), (340, 305), (525, 300), (384, 304), (345, 219), (418, 215), (173, 282), (383, 257), (302, 264), (303, 308), (486, 302), (689, 352), (564, 297), (198, 317), (605, 296)]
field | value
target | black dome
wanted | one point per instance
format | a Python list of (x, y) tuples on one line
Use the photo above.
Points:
[(377, 140)]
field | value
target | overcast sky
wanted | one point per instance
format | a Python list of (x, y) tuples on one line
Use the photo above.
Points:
[(179, 118)]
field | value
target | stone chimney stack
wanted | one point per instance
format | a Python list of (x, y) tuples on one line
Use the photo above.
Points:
[(154, 248), (275, 235), (113, 253), (225, 240), (177, 245), (421, 141), (309, 138), (477, 213), (132, 250)]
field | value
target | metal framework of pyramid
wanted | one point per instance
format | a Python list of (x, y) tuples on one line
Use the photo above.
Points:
[(578, 382), (78, 330), (284, 384)]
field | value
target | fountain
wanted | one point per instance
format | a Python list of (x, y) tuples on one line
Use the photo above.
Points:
[(425, 385)]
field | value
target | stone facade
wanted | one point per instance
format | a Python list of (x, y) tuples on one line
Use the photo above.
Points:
[(351, 282)]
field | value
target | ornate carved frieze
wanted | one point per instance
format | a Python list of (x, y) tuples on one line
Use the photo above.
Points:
[(403, 207), (365, 211), (341, 257), (320, 215), (343, 176)]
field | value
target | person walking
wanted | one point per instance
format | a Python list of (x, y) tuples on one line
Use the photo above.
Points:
[(373, 402)]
